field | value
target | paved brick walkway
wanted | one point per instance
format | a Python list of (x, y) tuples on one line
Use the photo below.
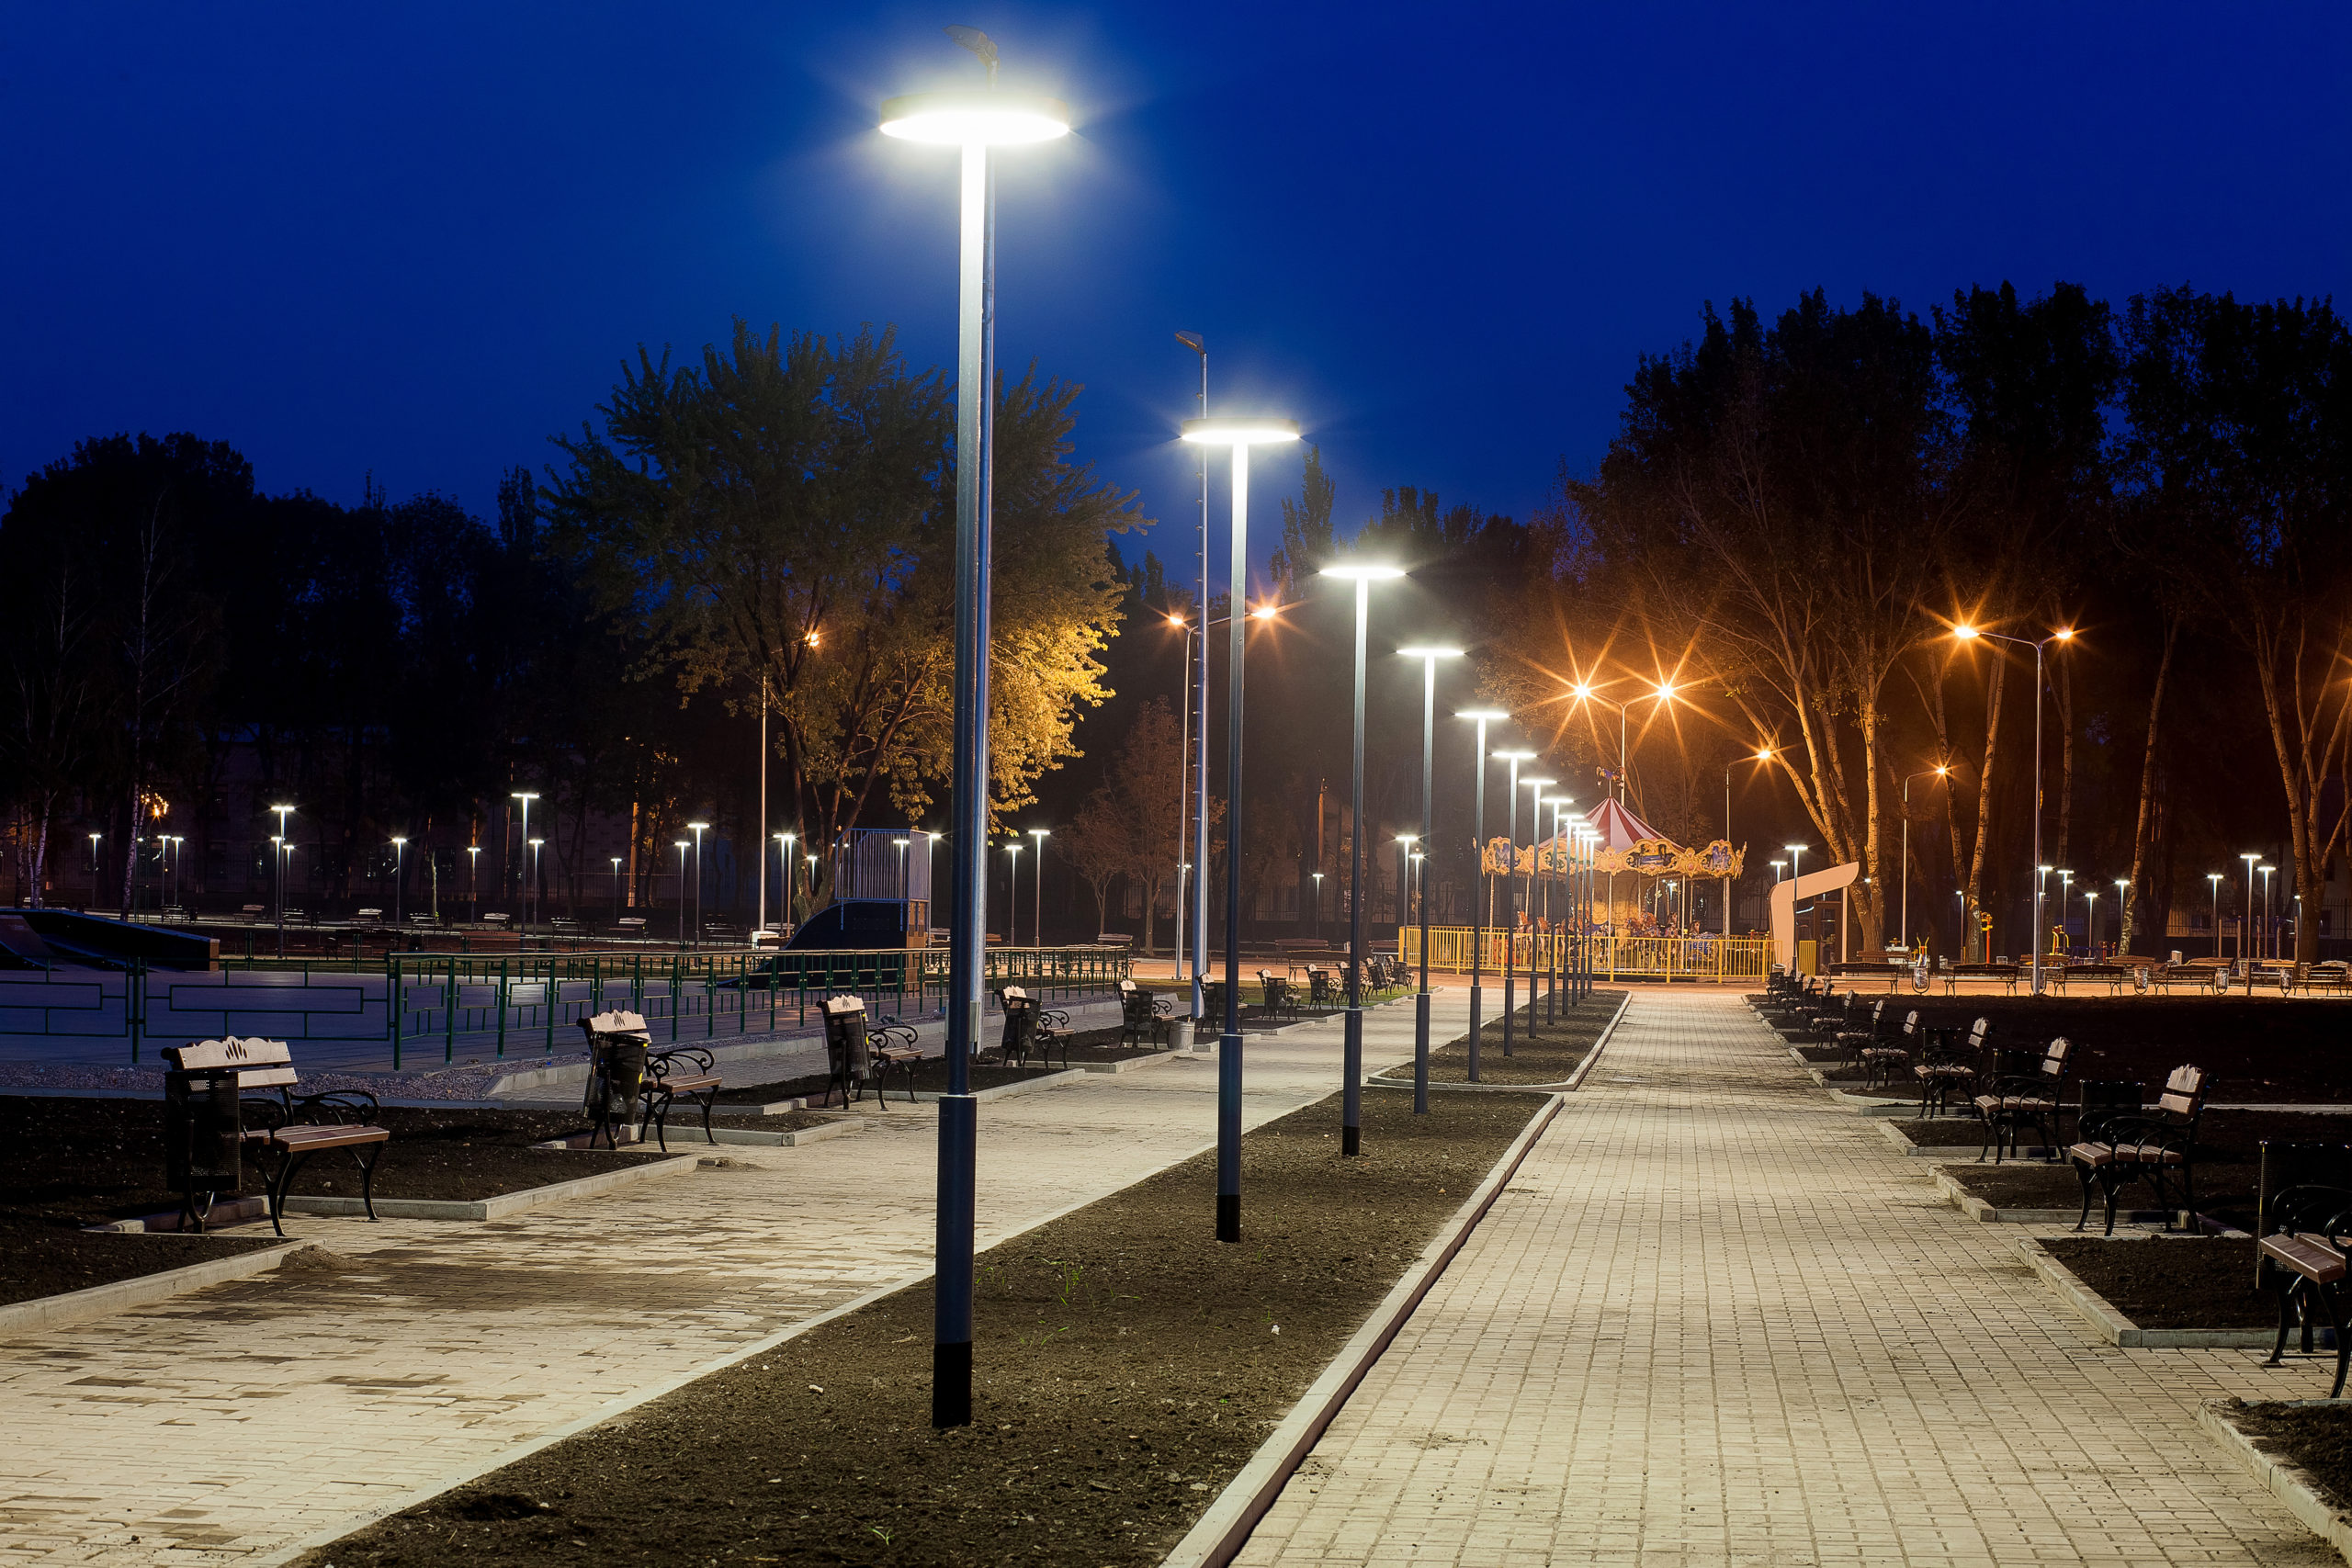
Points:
[(237, 1419), (1715, 1321)]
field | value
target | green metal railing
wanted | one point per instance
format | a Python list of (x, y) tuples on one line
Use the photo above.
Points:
[(1736, 959)]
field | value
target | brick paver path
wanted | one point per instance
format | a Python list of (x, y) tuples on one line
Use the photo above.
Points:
[(1715, 1321), (233, 1421)]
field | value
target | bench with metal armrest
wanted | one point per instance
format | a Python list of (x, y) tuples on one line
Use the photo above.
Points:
[(2305, 1261), (2026, 1087), (631, 1081), (858, 1053), (1945, 1067), (287, 1128), (2159, 1148)]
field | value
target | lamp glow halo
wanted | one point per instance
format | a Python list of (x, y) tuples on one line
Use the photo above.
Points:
[(991, 119), (1235, 431)]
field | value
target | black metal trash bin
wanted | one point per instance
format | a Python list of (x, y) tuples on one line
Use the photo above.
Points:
[(204, 1138)]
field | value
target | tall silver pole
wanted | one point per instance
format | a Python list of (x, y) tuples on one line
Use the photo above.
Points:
[(2037, 819), (951, 1387), (1479, 912), (1201, 728), (763, 840), (1428, 784), (1351, 1047), (1229, 1051), (1510, 907), (1184, 795)]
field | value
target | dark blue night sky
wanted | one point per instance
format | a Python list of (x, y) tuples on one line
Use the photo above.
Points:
[(417, 239)]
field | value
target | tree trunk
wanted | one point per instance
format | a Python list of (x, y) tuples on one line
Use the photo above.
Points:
[(2146, 819)]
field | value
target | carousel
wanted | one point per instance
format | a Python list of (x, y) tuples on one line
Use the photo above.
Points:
[(1649, 886)]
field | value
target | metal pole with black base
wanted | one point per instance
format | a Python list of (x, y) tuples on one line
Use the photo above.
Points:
[(1240, 435), (1429, 658), (970, 121), (1351, 1050)]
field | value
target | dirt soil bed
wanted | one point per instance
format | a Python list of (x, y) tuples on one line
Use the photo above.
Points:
[(1127, 1367), (1541, 1052), (2229, 1164), (2317, 1438), (2256, 1051), (2167, 1282), (68, 1163)]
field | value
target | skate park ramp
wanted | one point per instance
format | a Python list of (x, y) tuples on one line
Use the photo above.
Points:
[(51, 939)]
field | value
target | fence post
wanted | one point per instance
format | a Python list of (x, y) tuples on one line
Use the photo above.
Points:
[(134, 1002), (637, 985), (773, 978), (392, 1004), (550, 1003), (501, 1009), (677, 995), (449, 1019)]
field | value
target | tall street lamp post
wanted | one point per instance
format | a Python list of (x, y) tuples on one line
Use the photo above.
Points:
[(2267, 944), (2122, 913), (533, 845), (783, 865), (1479, 914), (616, 892), (1238, 436), (1429, 658), (1012, 893), (1510, 909), (971, 123), (400, 848), (1903, 920), (1037, 917), (1190, 808), (1547, 865), (2213, 879), (2064, 634), (1763, 754), (684, 846), (1197, 696), (2245, 925), (1796, 869), (1534, 854), (525, 797), (1351, 1050), (697, 829)]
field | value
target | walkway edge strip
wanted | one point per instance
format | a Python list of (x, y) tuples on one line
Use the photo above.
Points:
[(1221, 1532), (1576, 1080), (2286, 1482), (98, 1300), (359, 1519)]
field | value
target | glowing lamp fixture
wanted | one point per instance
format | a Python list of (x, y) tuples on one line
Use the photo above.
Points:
[(1430, 653), (1493, 715), (988, 119), (1238, 430), (1265, 612)]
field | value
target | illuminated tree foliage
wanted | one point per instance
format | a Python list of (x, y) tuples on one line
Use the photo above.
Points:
[(780, 515)]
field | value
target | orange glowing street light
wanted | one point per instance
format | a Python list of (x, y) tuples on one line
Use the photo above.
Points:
[(1967, 633)]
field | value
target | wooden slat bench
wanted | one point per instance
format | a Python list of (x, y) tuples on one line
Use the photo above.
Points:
[(1945, 1069), (292, 1127), (2026, 1087), (1141, 1013), (2007, 974), (858, 1053), (2111, 975), (2159, 1148), (2307, 1267), (626, 1075)]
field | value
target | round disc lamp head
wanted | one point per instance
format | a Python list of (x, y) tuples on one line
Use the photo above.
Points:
[(1238, 430), (1429, 652), (1362, 573), (988, 119)]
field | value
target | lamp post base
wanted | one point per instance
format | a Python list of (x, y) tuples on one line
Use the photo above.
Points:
[(1351, 1090), (1511, 997), (951, 1385), (1228, 1137), (1477, 1005), (1228, 1216), (1421, 1054), (951, 1376)]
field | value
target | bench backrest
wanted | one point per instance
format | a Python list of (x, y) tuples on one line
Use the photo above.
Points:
[(2289, 1165), (616, 1022), (2184, 1095), (1979, 1032), (258, 1063), (2053, 1057), (2101, 1101)]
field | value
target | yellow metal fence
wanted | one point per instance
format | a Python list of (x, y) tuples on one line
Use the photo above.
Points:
[(1737, 959)]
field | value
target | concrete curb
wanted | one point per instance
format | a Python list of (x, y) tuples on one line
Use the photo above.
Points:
[(1977, 1209), (99, 1300), (2286, 1482), (1221, 1532), (1601, 1042), (505, 1203), (2117, 1329)]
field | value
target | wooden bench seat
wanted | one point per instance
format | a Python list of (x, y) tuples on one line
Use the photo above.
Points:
[(2026, 1087), (858, 1054), (2306, 1266)]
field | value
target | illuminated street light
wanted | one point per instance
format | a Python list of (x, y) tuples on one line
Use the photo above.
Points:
[(1534, 854), (1479, 911), (2064, 634), (697, 829), (525, 797), (400, 847), (1763, 754), (1038, 919), (1903, 924), (1510, 893), (971, 123)]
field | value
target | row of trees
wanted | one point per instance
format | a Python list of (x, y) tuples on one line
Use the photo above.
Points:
[(1799, 514), (767, 523)]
